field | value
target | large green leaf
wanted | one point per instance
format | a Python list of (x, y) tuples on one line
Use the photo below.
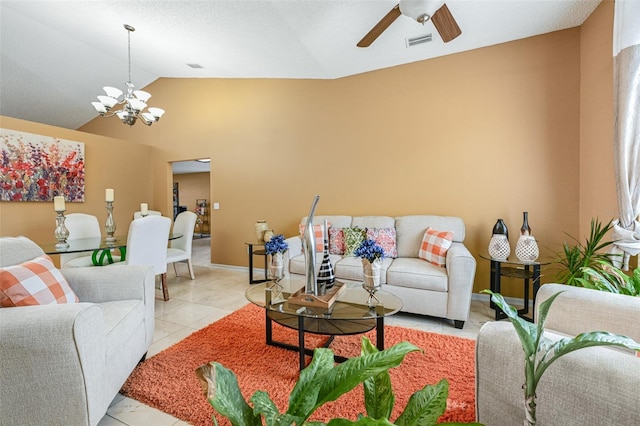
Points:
[(349, 374), (378, 393), (225, 396), (425, 406), (527, 332), (304, 396), (583, 340)]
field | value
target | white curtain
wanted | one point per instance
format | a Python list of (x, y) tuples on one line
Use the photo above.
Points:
[(626, 52)]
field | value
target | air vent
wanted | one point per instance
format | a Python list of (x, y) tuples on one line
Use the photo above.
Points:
[(195, 66), (418, 40)]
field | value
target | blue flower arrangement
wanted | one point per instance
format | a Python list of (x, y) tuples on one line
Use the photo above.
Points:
[(276, 244), (369, 250)]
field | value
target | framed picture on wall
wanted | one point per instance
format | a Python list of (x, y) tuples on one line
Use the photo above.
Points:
[(38, 168)]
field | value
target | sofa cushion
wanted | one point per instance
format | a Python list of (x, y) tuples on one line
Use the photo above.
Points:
[(385, 238), (35, 282), (435, 245), (353, 237), (416, 273), (297, 263), (410, 231), (350, 268)]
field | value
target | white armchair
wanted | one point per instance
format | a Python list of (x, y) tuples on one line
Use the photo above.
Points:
[(64, 363), (592, 386)]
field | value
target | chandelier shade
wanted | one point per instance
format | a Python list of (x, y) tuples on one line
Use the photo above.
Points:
[(133, 101)]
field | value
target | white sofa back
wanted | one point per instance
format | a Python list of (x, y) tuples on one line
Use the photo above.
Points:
[(410, 231)]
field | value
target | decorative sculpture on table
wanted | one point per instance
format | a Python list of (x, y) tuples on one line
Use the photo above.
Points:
[(499, 245), (309, 244), (326, 277), (110, 225), (526, 248), (61, 232)]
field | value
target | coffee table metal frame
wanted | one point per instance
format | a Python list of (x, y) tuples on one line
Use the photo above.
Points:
[(347, 316)]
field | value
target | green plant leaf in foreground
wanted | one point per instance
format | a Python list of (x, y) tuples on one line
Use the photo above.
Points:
[(346, 376), (224, 394), (304, 396), (378, 393), (425, 406)]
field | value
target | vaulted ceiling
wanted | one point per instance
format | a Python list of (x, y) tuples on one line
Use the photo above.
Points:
[(57, 55)]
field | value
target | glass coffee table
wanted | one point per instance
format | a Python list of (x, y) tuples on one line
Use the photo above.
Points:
[(348, 315)]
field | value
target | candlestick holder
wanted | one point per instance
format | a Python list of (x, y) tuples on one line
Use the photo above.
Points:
[(110, 225), (61, 232)]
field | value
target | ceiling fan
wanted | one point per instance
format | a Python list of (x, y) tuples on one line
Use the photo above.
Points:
[(418, 10)]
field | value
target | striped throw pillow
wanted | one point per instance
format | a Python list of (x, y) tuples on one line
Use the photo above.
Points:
[(435, 245), (318, 232), (36, 282)]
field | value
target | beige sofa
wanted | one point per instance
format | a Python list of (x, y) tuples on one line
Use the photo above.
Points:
[(592, 386), (424, 288), (64, 363)]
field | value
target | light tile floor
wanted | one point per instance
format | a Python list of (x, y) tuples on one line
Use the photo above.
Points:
[(218, 291)]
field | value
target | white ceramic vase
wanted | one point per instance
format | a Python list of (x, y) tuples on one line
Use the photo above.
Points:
[(527, 248), (499, 247)]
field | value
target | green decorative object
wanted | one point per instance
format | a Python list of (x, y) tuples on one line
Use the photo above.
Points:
[(353, 237)]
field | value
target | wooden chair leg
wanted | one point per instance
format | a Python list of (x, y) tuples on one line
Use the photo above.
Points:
[(175, 268), (165, 290)]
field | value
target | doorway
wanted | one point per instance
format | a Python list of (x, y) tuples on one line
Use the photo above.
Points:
[(192, 191)]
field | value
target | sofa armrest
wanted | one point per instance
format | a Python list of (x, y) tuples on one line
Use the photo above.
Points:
[(592, 386), (578, 310), (461, 270), (53, 362), (295, 249)]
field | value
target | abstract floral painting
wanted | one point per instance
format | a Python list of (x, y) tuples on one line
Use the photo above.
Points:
[(37, 168)]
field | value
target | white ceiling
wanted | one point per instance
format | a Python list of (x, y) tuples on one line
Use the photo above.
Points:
[(57, 55)]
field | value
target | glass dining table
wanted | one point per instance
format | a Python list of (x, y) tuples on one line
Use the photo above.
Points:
[(101, 248)]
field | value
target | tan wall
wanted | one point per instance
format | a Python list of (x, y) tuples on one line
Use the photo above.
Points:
[(110, 163), (192, 187), (482, 135), (598, 196)]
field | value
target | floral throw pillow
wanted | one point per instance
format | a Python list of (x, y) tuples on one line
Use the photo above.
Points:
[(385, 238), (353, 237), (435, 245), (336, 241)]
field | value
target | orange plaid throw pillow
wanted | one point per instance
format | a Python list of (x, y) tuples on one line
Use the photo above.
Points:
[(435, 245), (318, 232), (36, 282)]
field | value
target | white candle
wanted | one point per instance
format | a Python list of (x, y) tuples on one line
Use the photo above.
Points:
[(144, 209), (58, 203), (108, 194)]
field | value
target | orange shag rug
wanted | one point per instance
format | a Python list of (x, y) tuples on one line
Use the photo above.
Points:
[(167, 381)]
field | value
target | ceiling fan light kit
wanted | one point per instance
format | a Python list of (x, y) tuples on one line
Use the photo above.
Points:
[(420, 11), (133, 102)]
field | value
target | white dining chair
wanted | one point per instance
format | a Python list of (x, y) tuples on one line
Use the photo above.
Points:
[(81, 225), (180, 248), (138, 214), (147, 245)]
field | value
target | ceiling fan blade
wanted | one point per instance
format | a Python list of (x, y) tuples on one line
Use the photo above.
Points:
[(380, 27), (446, 24)]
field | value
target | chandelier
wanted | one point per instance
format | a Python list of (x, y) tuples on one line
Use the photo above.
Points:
[(133, 102)]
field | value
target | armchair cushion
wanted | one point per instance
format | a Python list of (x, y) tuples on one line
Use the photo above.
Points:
[(34, 282)]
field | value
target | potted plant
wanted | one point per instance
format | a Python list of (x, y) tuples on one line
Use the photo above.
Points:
[(275, 249), (540, 352), (323, 381), (590, 254), (371, 254), (611, 279)]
